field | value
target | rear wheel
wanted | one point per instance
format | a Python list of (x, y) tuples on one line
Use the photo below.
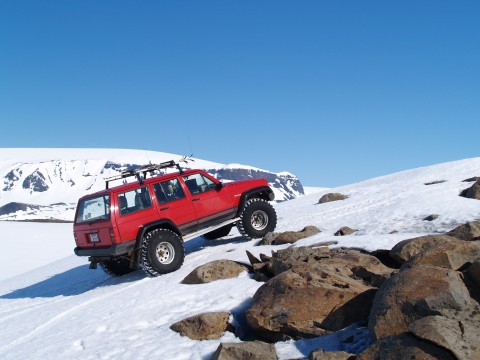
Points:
[(257, 219), (162, 252), (117, 266), (215, 234)]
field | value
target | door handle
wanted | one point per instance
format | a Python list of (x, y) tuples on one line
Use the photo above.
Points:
[(165, 208), (195, 199)]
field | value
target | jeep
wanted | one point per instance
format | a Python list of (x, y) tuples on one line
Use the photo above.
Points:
[(145, 223)]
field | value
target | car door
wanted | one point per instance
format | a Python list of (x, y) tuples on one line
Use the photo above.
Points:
[(174, 205), (213, 204)]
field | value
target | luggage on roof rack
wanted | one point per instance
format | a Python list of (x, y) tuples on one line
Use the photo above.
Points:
[(144, 170)]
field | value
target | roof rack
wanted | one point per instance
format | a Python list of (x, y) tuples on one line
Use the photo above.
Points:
[(144, 170)]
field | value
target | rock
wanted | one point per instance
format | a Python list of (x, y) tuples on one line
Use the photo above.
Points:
[(306, 302), (435, 182), (451, 255), (344, 231), (384, 256), (268, 239), (289, 237), (214, 270), (252, 258), (249, 350), (431, 217), (475, 178), (469, 231), (473, 273), (406, 249), (265, 258), (283, 260), (207, 326), (262, 272), (460, 336), (330, 355), (403, 347), (331, 197), (413, 293), (474, 191)]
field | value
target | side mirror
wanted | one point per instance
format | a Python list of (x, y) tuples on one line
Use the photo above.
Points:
[(219, 186)]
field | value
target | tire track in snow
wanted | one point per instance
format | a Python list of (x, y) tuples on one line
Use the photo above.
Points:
[(39, 329)]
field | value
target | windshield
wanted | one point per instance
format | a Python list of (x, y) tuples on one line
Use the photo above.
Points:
[(93, 209)]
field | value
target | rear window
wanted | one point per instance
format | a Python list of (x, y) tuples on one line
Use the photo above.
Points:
[(93, 209)]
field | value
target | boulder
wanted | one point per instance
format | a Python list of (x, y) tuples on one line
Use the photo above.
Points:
[(431, 217), (450, 255), (268, 239), (402, 347), (474, 191), (214, 270), (460, 335), (469, 231), (414, 293), (406, 249), (207, 326), (330, 355), (289, 237), (308, 302), (345, 230), (331, 197), (473, 273), (249, 350)]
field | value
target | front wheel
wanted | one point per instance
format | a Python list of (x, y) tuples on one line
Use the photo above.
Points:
[(162, 252), (257, 219)]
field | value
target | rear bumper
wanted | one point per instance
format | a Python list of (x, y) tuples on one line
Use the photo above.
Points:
[(114, 250)]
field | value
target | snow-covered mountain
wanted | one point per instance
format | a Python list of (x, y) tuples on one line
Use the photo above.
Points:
[(47, 292), (46, 183)]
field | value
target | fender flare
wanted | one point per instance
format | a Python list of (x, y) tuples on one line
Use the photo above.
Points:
[(165, 223), (264, 192)]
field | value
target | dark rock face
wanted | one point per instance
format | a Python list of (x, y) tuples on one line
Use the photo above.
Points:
[(431, 217), (249, 350), (469, 231), (207, 326), (11, 178), (35, 182), (214, 270), (435, 182), (331, 197), (13, 207), (472, 179), (472, 192), (287, 184)]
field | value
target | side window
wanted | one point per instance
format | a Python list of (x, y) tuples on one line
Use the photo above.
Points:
[(134, 200), (197, 183), (168, 191)]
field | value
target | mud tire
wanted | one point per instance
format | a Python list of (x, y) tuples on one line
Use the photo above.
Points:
[(117, 266), (257, 219)]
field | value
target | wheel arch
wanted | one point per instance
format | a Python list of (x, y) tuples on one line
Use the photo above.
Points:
[(263, 192)]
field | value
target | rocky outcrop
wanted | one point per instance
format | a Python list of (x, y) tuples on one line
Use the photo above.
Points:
[(345, 230), (469, 231), (474, 191), (207, 326), (249, 350), (406, 249), (431, 217), (290, 237), (331, 197), (214, 270), (36, 182)]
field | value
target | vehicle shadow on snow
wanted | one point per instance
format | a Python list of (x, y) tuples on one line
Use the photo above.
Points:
[(72, 282), (200, 243)]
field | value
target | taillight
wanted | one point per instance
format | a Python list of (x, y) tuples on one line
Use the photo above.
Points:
[(112, 236)]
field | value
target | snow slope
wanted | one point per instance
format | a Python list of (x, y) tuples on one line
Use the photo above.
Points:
[(63, 310)]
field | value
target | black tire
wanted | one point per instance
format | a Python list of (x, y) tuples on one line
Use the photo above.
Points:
[(117, 266), (162, 252), (215, 234), (257, 219)]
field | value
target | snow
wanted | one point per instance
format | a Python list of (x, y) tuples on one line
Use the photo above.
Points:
[(54, 307)]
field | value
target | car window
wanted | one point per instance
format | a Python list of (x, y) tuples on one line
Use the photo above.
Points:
[(134, 200), (167, 191), (197, 183)]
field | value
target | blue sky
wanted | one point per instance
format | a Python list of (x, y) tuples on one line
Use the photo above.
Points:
[(332, 91)]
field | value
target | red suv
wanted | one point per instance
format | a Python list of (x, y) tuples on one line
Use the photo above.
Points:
[(146, 222)]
